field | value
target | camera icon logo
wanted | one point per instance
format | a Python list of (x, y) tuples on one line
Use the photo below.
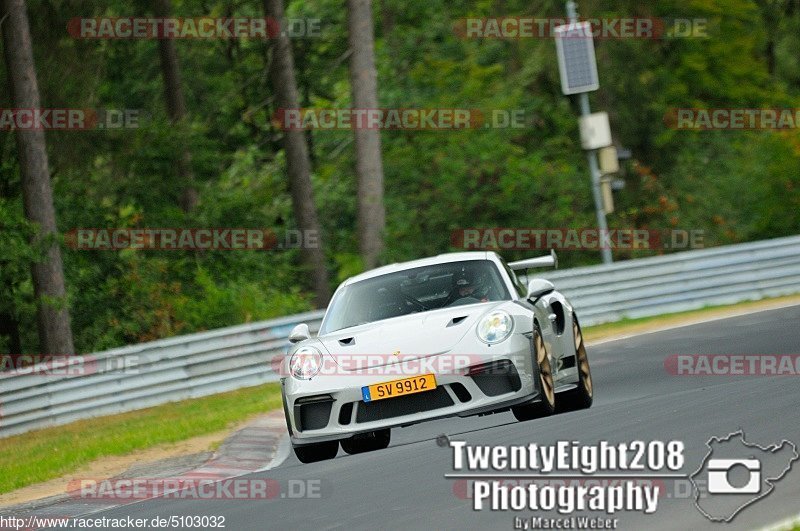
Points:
[(719, 472), (735, 474)]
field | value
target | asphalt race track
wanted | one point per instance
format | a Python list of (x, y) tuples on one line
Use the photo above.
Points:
[(636, 398)]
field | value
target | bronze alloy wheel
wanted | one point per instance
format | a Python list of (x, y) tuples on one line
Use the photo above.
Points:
[(582, 396), (543, 372), (582, 359)]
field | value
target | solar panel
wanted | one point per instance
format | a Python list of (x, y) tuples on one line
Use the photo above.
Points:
[(576, 59)]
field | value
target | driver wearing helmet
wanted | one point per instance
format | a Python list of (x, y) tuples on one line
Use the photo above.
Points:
[(467, 285)]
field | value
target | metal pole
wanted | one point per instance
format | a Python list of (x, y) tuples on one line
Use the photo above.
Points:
[(591, 156)]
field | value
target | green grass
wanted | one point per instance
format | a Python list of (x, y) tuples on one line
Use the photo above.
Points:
[(49, 453)]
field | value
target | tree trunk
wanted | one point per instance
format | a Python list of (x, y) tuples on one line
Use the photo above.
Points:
[(55, 335), (298, 164), (369, 166), (176, 108)]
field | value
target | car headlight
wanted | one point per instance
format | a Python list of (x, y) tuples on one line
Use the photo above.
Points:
[(305, 363), (495, 327)]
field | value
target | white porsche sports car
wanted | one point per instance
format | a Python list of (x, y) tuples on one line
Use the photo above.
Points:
[(453, 335)]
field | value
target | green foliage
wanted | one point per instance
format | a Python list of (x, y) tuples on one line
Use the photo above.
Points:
[(16, 292), (735, 186)]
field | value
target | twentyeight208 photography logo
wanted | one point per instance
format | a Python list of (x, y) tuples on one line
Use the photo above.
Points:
[(738, 473)]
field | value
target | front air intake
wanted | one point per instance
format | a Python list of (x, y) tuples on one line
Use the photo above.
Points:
[(496, 378), (312, 412)]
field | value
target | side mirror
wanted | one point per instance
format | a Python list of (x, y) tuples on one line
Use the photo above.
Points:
[(299, 333), (538, 287)]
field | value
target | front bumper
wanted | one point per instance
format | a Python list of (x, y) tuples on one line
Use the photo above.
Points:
[(331, 407)]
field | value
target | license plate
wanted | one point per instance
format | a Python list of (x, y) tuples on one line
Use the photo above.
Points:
[(406, 386)]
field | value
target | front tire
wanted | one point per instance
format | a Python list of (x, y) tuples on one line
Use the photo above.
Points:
[(583, 395), (367, 442), (311, 453), (543, 376)]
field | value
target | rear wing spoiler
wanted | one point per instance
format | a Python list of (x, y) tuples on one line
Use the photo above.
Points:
[(542, 261)]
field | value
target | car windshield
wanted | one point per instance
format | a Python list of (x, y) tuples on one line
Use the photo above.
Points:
[(415, 290)]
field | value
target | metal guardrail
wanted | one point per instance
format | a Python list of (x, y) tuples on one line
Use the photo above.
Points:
[(145, 375), (195, 365), (682, 281)]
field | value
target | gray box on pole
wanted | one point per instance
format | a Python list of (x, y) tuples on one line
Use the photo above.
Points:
[(595, 130), (577, 63)]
